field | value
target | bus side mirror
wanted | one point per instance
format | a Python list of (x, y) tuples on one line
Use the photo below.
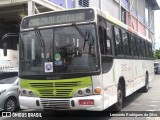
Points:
[(5, 48)]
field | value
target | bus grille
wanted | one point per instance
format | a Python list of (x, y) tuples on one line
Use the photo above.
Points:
[(55, 89), (41, 85), (55, 104), (49, 93), (66, 84)]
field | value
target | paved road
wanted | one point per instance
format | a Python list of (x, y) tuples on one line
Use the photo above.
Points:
[(138, 101)]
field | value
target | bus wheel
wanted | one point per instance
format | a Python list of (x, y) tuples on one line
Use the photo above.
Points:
[(119, 104), (146, 87)]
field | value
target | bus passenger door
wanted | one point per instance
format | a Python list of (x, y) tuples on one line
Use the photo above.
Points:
[(105, 37)]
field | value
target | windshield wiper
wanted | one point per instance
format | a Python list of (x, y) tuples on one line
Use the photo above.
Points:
[(40, 40), (81, 33)]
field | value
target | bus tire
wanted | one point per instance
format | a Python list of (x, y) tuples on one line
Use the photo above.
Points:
[(146, 87), (118, 106)]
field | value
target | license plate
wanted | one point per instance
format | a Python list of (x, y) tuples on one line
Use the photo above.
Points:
[(86, 102)]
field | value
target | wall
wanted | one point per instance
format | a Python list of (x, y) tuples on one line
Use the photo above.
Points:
[(141, 10), (112, 7), (106, 5), (141, 28), (70, 3)]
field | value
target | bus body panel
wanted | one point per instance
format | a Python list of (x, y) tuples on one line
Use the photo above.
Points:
[(109, 87), (55, 104), (133, 72), (9, 61)]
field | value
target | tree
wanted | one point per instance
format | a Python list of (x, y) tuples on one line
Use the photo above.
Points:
[(156, 54)]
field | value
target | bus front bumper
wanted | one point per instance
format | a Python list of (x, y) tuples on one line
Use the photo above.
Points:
[(91, 103)]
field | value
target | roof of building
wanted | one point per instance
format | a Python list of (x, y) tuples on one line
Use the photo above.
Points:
[(153, 4)]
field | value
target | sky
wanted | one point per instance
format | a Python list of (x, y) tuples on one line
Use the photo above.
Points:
[(157, 27)]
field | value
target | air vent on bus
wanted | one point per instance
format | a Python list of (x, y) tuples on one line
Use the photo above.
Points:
[(84, 3), (55, 104)]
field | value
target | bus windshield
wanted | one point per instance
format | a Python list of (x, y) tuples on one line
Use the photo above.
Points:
[(64, 51)]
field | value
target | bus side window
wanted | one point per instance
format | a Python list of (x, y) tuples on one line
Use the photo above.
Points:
[(102, 36), (143, 49), (150, 50), (147, 50), (139, 47), (118, 41), (109, 38), (125, 38), (133, 45)]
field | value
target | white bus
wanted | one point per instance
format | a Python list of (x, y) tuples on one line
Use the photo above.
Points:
[(11, 59), (81, 59)]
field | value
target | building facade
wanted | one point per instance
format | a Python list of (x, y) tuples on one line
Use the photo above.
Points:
[(138, 14)]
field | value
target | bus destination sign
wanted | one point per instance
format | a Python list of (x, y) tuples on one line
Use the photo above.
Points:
[(61, 17)]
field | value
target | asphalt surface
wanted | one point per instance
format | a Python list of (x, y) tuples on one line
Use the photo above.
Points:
[(137, 104)]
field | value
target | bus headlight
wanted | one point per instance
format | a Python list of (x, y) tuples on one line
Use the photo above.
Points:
[(24, 92), (83, 92), (28, 93), (80, 92), (88, 90)]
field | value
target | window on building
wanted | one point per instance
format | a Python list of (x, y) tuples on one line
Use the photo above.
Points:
[(146, 15), (118, 41), (84, 3), (123, 15)]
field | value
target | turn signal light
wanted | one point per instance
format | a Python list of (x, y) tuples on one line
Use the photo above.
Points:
[(97, 90)]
